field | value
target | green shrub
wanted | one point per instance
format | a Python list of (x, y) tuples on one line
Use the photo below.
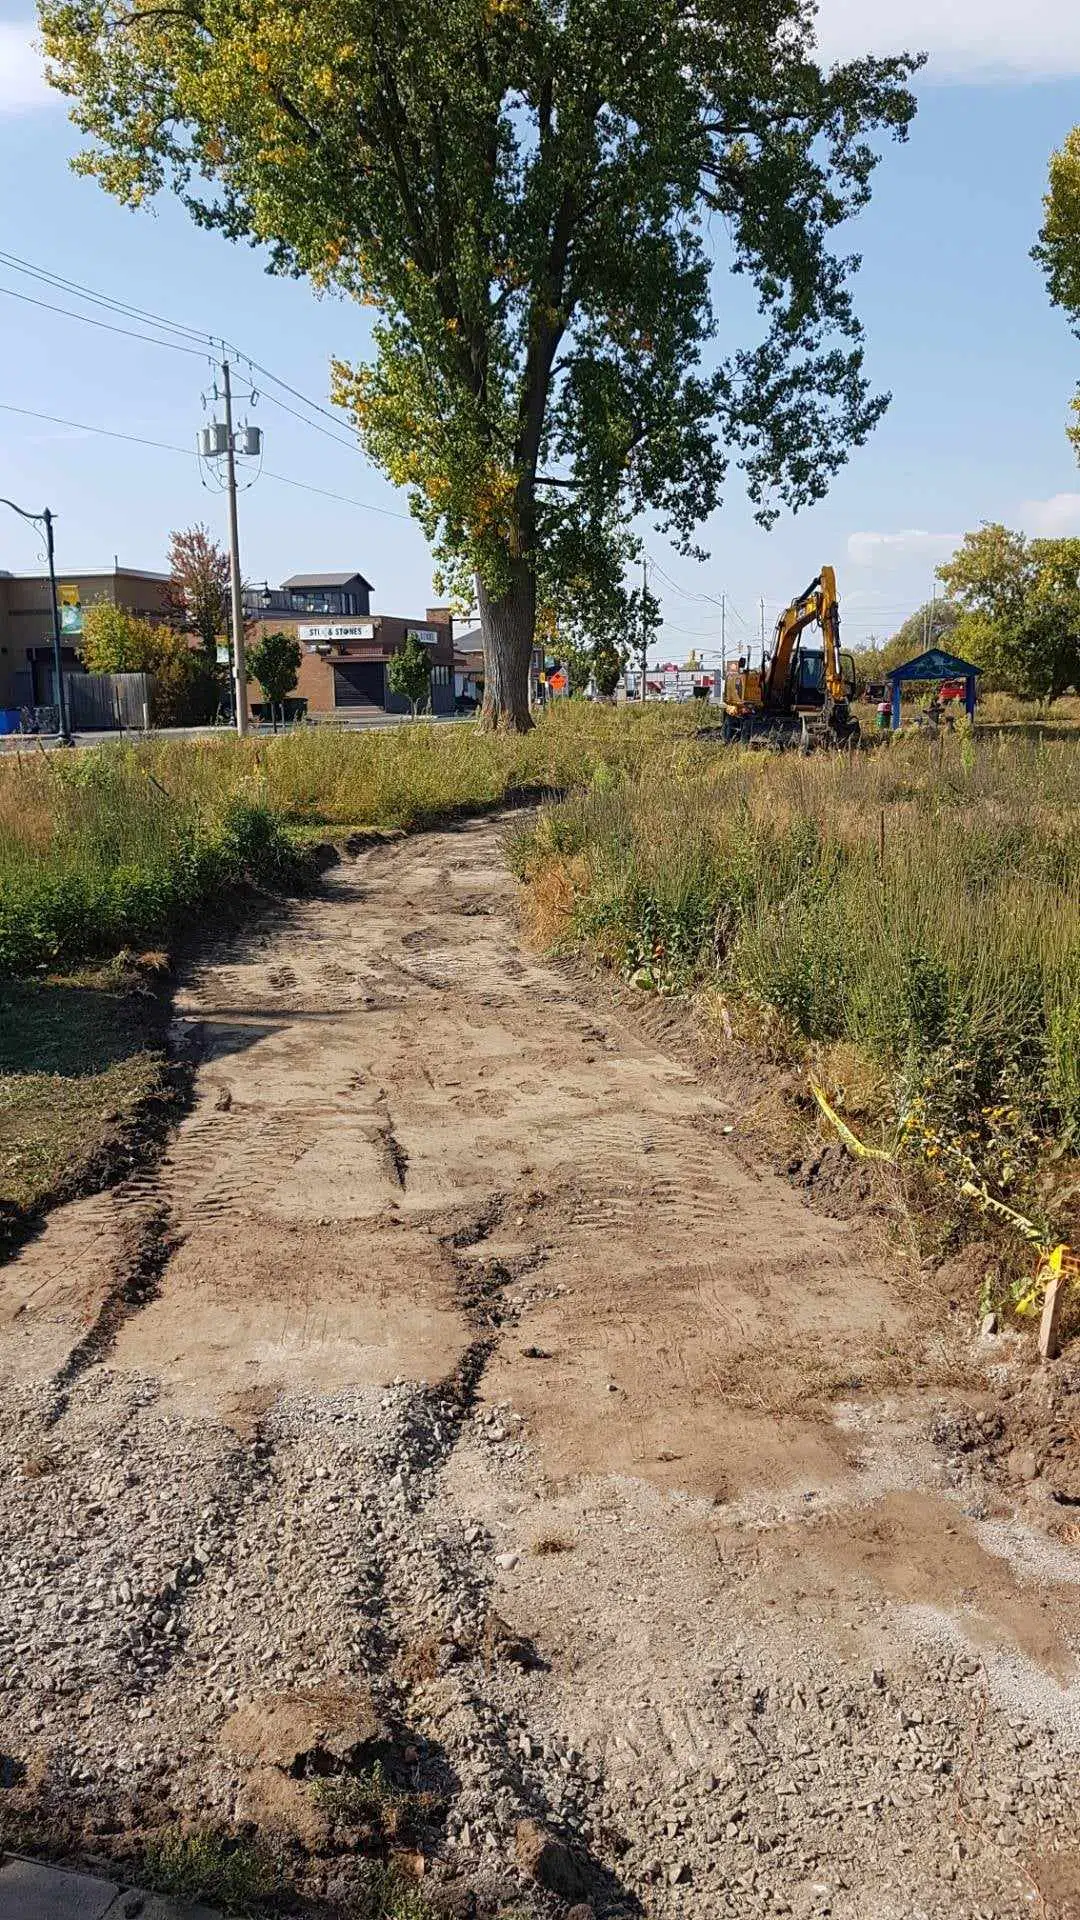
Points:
[(95, 854)]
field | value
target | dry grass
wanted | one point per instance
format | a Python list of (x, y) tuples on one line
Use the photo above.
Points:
[(81, 1058), (907, 919)]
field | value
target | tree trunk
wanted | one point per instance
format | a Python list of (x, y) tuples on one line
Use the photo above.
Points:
[(508, 625)]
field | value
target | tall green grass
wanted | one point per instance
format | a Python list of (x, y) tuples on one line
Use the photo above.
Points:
[(113, 846), (96, 854), (951, 959)]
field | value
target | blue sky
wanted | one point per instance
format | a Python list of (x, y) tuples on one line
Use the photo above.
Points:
[(959, 329)]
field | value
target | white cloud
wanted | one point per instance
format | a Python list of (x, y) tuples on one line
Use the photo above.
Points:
[(1054, 518), (972, 40), (22, 75), (892, 551)]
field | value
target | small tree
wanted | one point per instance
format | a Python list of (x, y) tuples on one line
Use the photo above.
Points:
[(274, 661), (199, 587), (116, 641), (408, 672)]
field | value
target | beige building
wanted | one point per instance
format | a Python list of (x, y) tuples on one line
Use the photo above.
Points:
[(26, 643), (345, 645)]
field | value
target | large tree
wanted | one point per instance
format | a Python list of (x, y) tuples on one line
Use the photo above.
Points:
[(1058, 249), (199, 586), (1021, 609), (526, 192)]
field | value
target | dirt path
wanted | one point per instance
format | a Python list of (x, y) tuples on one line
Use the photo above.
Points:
[(454, 1349)]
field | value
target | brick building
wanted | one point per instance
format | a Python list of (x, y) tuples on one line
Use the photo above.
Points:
[(26, 646), (346, 646)]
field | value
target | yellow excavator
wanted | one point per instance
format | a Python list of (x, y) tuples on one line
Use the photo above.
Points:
[(800, 696)]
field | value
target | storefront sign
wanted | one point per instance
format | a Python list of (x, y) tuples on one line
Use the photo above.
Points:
[(360, 630), (427, 636)]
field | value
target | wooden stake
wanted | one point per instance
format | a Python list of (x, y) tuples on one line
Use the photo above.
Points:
[(1050, 1325)]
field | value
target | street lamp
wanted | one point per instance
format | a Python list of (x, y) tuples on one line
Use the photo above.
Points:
[(45, 520)]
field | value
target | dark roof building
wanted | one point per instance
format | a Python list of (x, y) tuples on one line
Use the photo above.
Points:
[(347, 594), (326, 580)]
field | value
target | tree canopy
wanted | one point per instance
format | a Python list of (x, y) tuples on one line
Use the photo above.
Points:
[(1020, 602), (1058, 248), (526, 192), (274, 661), (199, 586), (116, 641)]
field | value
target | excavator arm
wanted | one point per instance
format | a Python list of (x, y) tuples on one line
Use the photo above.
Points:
[(771, 704), (820, 605)]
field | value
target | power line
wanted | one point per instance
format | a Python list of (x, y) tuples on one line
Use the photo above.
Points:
[(285, 387), (111, 433), (166, 446), (313, 424), (684, 591), (708, 598), (111, 304), (106, 300), (389, 513), (88, 321)]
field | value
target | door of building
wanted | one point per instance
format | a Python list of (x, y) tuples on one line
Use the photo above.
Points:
[(360, 683)]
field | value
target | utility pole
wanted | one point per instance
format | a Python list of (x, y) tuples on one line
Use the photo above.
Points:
[(58, 655), (239, 662), (723, 632), (644, 621), (45, 519), (763, 633)]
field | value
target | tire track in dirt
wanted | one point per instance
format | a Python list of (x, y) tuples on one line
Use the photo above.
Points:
[(470, 1362)]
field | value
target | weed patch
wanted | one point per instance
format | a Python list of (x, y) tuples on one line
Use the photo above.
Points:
[(389, 1894), (115, 846), (204, 1863)]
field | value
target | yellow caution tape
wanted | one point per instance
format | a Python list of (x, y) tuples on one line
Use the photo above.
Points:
[(849, 1139), (986, 1199), (1054, 1262)]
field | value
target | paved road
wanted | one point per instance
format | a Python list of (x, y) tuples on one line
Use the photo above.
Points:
[(361, 723), (30, 1891)]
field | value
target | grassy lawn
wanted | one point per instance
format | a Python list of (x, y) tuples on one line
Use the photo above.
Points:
[(80, 1062)]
